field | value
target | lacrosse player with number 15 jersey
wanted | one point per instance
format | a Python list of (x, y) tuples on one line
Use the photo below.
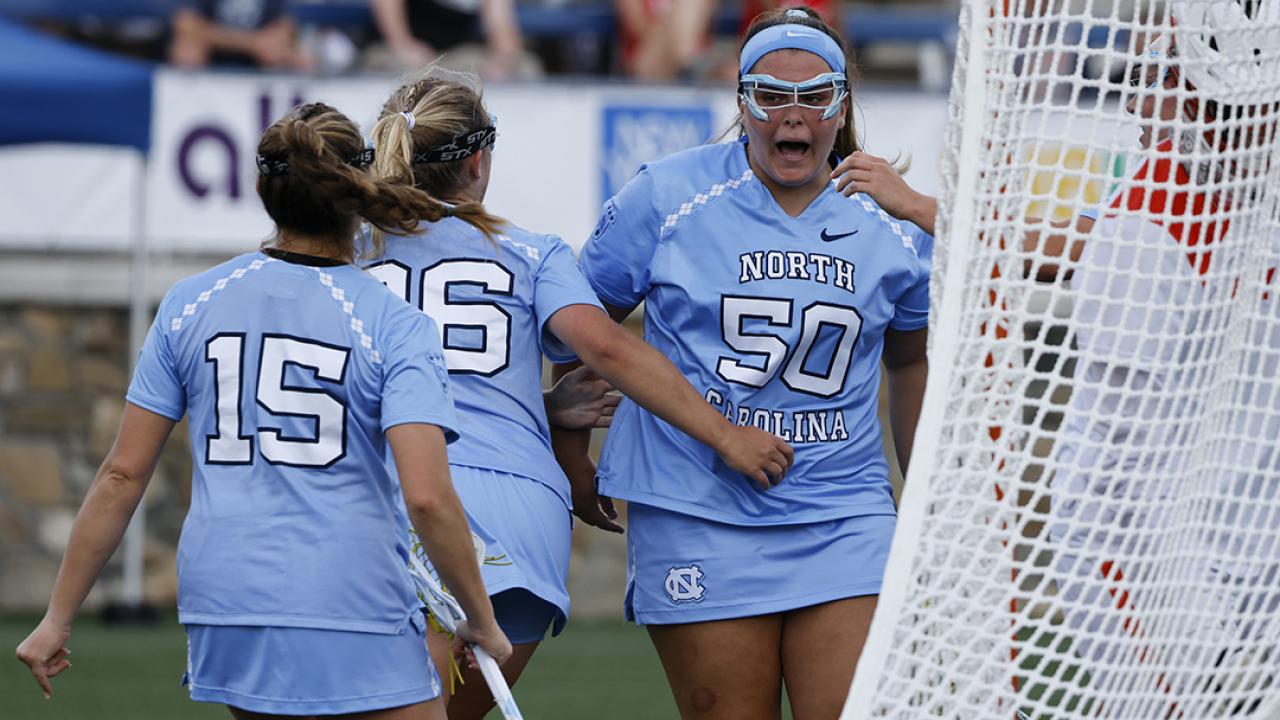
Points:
[(297, 371)]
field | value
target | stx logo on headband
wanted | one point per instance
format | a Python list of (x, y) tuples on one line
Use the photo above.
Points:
[(460, 146)]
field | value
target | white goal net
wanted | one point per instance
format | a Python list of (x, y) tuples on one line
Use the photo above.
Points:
[(1091, 522)]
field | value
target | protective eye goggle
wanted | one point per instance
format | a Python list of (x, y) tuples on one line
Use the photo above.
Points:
[(763, 93)]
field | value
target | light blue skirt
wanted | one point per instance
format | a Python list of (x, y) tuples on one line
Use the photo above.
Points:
[(684, 569), (526, 531), (304, 671)]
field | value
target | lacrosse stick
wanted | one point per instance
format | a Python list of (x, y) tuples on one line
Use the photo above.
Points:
[(446, 610)]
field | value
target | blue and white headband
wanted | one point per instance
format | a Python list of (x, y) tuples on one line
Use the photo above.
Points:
[(791, 36)]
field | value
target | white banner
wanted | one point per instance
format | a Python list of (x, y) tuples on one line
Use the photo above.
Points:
[(562, 150), (205, 129), (69, 197), (546, 170)]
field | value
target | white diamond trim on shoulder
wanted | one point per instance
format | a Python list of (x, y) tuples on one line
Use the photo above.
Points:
[(889, 221), (528, 250), (190, 308), (357, 325), (688, 207)]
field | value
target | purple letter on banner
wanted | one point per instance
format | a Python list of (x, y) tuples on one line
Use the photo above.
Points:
[(197, 136)]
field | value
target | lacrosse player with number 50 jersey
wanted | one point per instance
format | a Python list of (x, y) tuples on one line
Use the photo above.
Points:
[(297, 370), (778, 299)]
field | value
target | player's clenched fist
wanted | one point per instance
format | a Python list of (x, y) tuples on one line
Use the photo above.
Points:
[(761, 456), (488, 636)]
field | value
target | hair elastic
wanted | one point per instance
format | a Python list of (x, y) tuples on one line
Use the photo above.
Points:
[(409, 118), (791, 36)]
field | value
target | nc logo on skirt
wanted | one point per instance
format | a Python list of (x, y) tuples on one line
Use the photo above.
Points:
[(684, 584)]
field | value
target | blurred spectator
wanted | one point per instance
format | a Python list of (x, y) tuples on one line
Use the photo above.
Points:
[(665, 39), (472, 35), (726, 51), (829, 10), (237, 32)]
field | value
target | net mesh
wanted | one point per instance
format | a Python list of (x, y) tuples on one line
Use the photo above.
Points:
[(1091, 524)]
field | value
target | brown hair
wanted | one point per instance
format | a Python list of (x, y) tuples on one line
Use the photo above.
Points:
[(315, 187), (847, 136), (443, 108)]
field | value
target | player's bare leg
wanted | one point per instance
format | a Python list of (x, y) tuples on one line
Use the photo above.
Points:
[(440, 646), (820, 650), (472, 699), (724, 669)]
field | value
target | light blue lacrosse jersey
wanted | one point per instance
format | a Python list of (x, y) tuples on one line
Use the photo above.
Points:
[(290, 375), (491, 300), (778, 321)]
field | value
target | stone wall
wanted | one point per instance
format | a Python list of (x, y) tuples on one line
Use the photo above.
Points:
[(63, 375)]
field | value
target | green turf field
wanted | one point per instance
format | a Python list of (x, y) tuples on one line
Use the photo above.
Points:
[(593, 670)]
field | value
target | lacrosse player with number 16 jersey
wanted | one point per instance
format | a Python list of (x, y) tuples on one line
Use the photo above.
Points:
[(504, 297)]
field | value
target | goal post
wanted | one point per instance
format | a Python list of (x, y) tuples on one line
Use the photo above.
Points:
[(1091, 521)]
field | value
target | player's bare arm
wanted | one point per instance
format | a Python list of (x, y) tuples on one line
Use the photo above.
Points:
[(98, 529), (644, 375)]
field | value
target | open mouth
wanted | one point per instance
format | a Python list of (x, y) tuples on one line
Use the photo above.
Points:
[(792, 149)]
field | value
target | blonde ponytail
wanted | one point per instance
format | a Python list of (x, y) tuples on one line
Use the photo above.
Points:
[(442, 107)]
